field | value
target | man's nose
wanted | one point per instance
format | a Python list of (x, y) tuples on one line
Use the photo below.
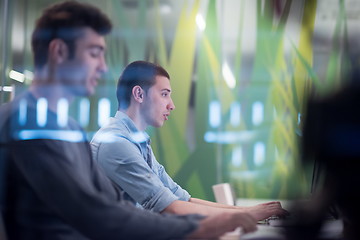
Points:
[(171, 105), (102, 65)]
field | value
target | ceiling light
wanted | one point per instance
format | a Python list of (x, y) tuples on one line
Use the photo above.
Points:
[(200, 22)]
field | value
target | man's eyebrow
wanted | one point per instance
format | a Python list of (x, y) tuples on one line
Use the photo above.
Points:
[(166, 89), (100, 47)]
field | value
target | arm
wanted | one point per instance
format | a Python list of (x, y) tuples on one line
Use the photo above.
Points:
[(184, 207), (212, 204), (259, 211), (125, 165), (195, 205)]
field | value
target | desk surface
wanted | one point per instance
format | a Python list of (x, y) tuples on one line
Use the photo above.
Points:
[(263, 232), (331, 229)]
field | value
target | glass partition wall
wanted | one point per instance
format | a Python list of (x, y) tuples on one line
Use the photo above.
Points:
[(241, 72)]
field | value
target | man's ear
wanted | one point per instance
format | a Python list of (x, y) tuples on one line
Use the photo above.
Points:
[(138, 94), (58, 51)]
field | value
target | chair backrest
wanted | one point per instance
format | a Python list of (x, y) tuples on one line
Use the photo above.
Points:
[(224, 193)]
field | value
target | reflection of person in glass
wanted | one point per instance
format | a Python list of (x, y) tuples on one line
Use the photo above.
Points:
[(123, 149), (50, 186)]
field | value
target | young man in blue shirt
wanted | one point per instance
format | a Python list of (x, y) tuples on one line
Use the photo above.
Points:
[(123, 149)]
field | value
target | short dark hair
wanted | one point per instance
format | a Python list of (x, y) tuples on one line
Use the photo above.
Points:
[(64, 21), (138, 73)]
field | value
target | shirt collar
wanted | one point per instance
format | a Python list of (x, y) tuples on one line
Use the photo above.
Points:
[(135, 134)]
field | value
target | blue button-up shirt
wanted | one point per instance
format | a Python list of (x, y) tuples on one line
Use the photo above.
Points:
[(125, 154)]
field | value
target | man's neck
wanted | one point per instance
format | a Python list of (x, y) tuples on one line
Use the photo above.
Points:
[(134, 115)]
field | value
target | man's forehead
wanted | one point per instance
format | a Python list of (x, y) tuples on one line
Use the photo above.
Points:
[(90, 38), (162, 83)]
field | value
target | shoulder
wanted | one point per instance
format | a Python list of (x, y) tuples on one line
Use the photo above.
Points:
[(113, 131), (118, 130), (113, 138)]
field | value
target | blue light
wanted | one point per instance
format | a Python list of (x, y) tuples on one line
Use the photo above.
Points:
[(236, 157), (22, 112), (235, 114), (62, 112), (215, 114), (109, 137), (230, 137), (41, 112), (62, 135), (257, 113), (103, 111), (84, 111), (259, 153)]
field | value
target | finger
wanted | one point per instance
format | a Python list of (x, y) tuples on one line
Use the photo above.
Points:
[(281, 212)]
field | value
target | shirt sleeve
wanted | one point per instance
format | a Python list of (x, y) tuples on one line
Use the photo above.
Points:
[(175, 188), (53, 170), (125, 165)]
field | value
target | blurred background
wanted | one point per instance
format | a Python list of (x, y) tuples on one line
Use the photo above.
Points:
[(241, 72)]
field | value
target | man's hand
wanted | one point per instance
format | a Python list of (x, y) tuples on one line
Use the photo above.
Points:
[(216, 225), (266, 210)]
